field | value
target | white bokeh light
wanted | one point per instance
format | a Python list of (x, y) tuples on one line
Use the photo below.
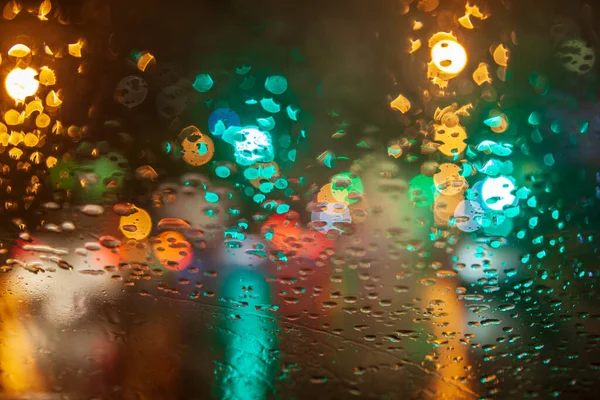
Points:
[(21, 83), (497, 193)]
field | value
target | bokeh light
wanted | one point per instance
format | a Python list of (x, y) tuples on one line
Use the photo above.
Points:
[(21, 83), (498, 193)]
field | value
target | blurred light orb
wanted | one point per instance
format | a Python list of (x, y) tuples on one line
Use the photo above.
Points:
[(262, 172), (21, 83), (452, 139), (329, 194), (172, 250), (197, 148), (248, 252), (467, 215), (284, 233), (253, 146), (449, 180), (576, 56), (137, 225), (331, 217), (497, 193), (225, 115), (276, 84), (131, 91), (449, 57)]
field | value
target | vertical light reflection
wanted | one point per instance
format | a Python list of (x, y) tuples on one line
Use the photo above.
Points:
[(19, 374), (249, 339), (448, 322)]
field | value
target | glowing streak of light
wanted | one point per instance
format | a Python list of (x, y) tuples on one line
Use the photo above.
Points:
[(447, 317), (250, 363)]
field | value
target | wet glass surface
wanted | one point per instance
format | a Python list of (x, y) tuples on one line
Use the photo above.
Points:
[(287, 200)]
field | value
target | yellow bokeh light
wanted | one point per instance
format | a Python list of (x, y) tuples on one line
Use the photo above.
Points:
[(449, 181), (52, 99), (58, 128), (137, 225), (451, 139), (47, 77), (145, 60), (198, 148), (19, 51), (42, 121), (449, 57), (414, 45), (500, 55), (329, 194), (465, 20), (474, 11), (51, 162), (21, 83), (11, 10), (34, 106), (15, 153), (31, 140), (45, 8), (15, 138), (401, 104), (36, 158), (13, 117), (482, 74), (75, 49)]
